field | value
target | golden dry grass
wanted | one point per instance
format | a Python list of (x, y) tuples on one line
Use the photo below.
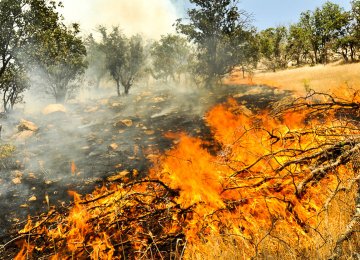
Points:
[(320, 78), (332, 223)]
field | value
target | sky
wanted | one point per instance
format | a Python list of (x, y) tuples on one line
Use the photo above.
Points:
[(270, 13), (153, 18)]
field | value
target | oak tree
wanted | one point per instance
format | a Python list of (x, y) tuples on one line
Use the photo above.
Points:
[(219, 30), (124, 57)]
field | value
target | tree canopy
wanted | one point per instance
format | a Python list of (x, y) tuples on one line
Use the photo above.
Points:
[(124, 57), (32, 35), (170, 57), (220, 31)]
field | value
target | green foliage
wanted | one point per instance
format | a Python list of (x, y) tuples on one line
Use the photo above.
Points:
[(96, 60), (31, 33), (6, 150), (322, 27), (13, 83), (220, 32), (170, 57), (298, 45), (273, 47), (61, 56), (13, 37), (124, 57)]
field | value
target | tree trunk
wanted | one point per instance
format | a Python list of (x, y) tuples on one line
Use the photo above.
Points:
[(60, 98), (345, 55), (118, 88), (60, 93), (210, 82), (352, 53), (97, 84), (316, 56), (127, 88)]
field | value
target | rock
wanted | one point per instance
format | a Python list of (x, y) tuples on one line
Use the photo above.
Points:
[(16, 180), (16, 174), (23, 135), (158, 99), (118, 166), (118, 176), (149, 132), (104, 101), (116, 105), (113, 147), (54, 108), (125, 122), (238, 95), (32, 198), (31, 175), (91, 109), (27, 126)]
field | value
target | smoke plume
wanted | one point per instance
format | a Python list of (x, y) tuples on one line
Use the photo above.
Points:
[(151, 18)]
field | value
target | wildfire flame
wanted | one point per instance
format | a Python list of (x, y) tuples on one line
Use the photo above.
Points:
[(264, 183), (73, 168)]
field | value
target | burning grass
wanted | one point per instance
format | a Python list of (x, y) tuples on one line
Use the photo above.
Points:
[(284, 184)]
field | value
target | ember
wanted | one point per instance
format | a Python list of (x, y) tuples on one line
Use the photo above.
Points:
[(276, 183)]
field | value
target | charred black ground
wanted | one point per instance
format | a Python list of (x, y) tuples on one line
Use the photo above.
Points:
[(136, 124)]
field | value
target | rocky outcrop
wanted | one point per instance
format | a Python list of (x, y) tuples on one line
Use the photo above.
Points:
[(26, 125), (54, 108)]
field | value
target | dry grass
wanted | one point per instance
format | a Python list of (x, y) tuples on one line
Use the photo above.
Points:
[(320, 78), (331, 224)]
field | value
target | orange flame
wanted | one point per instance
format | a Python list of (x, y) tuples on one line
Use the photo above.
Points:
[(73, 168)]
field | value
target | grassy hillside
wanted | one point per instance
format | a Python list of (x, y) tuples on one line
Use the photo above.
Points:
[(320, 77)]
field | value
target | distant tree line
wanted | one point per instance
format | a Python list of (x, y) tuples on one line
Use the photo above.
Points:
[(214, 39), (328, 33)]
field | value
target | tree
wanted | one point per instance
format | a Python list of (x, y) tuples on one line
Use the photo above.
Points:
[(298, 45), (307, 24), (12, 33), (20, 22), (61, 57), (355, 13), (353, 39), (322, 27), (32, 34), (96, 60), (124, 57), (219, 30), (272, 47), (12, 25), (13, 83), (169, 57), (346, 44), (134, 58), (331, 20)]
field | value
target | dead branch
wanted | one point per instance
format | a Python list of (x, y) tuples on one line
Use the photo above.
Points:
[(319, 172)]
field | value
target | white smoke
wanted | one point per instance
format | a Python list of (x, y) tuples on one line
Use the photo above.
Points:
[(151, 18)]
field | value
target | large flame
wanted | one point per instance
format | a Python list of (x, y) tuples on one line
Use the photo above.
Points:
[(262, 184)]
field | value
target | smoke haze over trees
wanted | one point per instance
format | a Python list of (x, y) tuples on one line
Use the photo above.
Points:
[(34, 39)]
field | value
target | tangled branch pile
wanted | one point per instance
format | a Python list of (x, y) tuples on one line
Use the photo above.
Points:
[(285, 183)]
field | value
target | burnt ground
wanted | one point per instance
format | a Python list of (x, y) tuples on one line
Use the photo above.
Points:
[(42, 164)]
